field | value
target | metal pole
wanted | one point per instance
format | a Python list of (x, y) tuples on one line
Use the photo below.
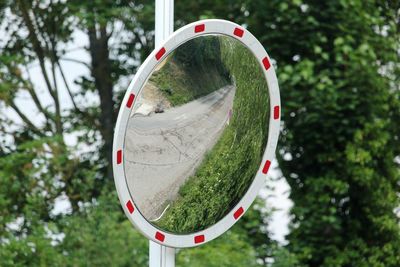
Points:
[(162, 256), (164, 20)]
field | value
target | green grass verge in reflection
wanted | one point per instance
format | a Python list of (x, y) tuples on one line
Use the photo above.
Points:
[(229, 168), (191, 71)]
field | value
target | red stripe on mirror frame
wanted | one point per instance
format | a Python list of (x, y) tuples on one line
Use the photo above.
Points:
[(199, 239), (238, 32), (130, 207), (266, 167), (160, 53), (199, 28), (159, 236), (276, 112), (266, 63), (119, 156), (238, 213), (130, 100)]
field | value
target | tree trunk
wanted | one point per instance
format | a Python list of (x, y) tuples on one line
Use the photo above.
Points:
[(101, 72)]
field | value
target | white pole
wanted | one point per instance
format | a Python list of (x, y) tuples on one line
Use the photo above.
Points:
[(164, 20), (162, 256)]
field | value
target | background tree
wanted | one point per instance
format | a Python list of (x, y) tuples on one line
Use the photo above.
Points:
[(338, 70), (40, 165)]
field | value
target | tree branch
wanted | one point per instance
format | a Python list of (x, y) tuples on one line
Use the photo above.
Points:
[(25, 119), (35, 43), (76, 61), (35, 98), (58, 118), (67, 87)]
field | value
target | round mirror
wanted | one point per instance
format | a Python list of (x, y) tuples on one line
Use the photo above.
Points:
[(195, 134)]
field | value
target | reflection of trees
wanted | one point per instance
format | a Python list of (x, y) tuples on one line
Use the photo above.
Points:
[(194, 69), (201, 52)]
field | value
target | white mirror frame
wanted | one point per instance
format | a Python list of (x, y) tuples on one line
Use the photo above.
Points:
[(184, 34)]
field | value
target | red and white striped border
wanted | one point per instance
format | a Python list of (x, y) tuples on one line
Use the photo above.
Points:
[(193, 30)]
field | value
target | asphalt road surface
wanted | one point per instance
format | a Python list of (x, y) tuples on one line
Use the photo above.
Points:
[(162, 150)]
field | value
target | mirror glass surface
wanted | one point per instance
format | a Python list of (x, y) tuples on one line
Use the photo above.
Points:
[(196, 134)]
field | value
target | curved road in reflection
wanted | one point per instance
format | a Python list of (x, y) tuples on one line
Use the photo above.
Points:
[(163, 149)]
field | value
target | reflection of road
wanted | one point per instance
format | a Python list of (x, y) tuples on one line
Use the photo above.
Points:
[(163, 149)]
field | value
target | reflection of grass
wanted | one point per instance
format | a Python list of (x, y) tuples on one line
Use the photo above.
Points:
[(228, 169), (193, 70)]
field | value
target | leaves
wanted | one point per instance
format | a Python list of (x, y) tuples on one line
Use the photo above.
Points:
[(53, 142)]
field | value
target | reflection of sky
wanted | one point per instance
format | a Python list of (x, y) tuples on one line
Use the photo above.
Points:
[(276, 195)]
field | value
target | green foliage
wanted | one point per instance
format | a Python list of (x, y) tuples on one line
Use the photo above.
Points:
[(246, 244), (27, 194), (98, 235), (254, 225), (337, 65), (283, 258), (101, 236), (36, 249), (228, 169), (27, 189), (193, 70), (214, 254), (41, 111)]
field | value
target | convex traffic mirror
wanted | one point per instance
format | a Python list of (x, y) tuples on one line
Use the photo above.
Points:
[(196, 133)]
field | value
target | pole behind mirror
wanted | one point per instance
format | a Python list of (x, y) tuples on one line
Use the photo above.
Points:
[(162, 256)]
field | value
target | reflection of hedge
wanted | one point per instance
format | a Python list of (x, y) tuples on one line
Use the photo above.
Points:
[(191, 71), (229, 168)]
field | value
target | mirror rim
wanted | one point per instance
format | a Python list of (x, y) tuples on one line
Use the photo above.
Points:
[(184, 34)]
